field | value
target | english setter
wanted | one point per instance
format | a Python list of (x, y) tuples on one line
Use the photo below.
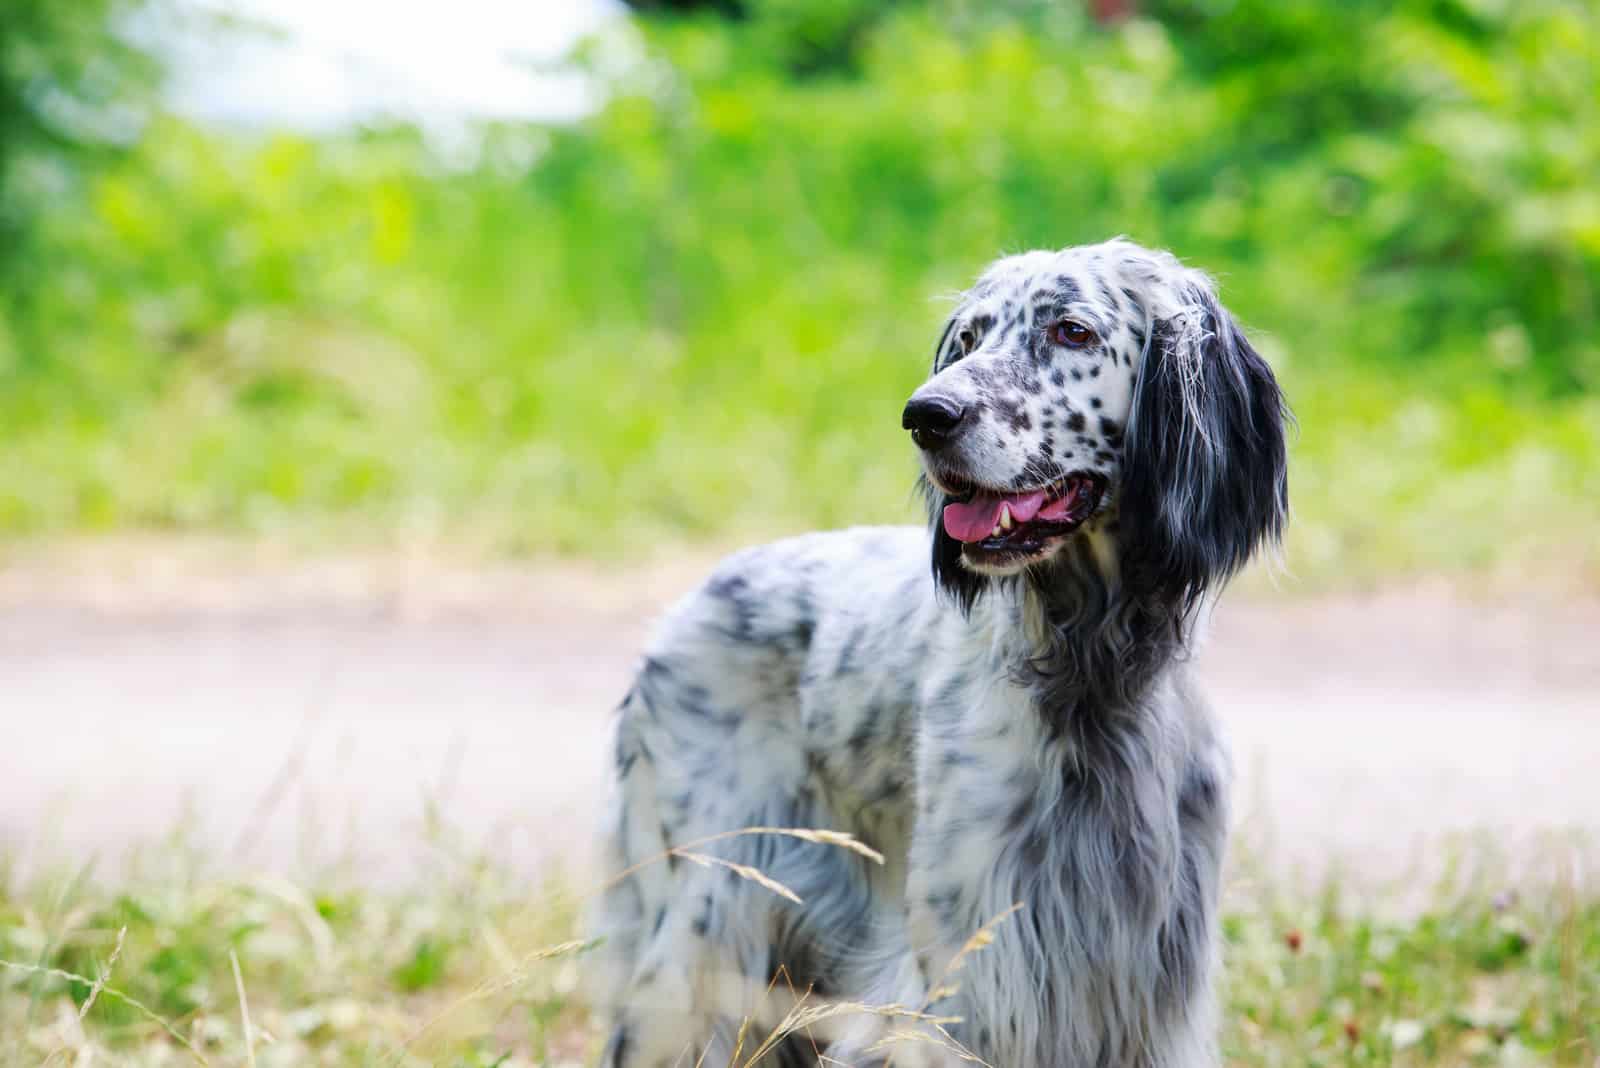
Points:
[(1013, 729)]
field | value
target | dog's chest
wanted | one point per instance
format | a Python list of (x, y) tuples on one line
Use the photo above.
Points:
[(978, 773), (1011, 813)]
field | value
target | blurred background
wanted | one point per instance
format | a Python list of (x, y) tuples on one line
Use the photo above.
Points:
[(546, 278), (371, 374)]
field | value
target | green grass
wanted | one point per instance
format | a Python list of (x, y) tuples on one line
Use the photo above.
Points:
[(695, 315), (477, 970)]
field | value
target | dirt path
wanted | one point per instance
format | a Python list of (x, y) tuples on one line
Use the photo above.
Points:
[(298, 717)]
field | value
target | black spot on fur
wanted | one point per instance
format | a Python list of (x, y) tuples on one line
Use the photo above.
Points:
[(805, 628), (1197, 799), (859, 741), (734, 590), (848, 650), (888, 790), (1181, 969), (667, 842), (1033, 850), (616, 1052), (624, 756), (944, 903)]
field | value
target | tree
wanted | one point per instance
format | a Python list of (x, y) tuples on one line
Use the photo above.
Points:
[(721, 7), (72, 82)]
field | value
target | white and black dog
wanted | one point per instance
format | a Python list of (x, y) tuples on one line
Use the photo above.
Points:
[(1015, 730)]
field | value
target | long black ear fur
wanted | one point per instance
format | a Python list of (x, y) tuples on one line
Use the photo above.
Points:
[(1205, 475)]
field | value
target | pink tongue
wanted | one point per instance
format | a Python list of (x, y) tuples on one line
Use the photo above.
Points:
[(973, 520), (1059, 509)]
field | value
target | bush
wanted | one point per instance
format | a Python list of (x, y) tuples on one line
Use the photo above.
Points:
[(696, 313)]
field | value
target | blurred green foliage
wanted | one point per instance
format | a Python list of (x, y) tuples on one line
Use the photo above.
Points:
[(696, 314), (72, 84)]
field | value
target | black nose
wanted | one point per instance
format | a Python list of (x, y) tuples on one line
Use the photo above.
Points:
[(932, 419)]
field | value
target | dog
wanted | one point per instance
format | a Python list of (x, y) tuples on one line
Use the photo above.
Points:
[(1012, 728)]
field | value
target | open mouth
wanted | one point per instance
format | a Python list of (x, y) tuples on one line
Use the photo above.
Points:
[(996, 528)]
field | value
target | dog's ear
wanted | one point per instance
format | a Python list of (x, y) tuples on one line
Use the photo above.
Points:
[(1205, 475)]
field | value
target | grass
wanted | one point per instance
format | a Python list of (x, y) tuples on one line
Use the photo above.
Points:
[(475, 970), (1392, 476), (694, 316)]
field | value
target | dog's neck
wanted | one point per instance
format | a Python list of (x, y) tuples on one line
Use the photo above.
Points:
[(1091, 648)]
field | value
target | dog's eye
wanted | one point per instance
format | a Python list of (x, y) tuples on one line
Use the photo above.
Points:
[(965, 340), (1072, 335)]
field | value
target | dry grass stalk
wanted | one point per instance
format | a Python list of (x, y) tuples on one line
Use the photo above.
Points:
[(981, 938), (489, 987), (743, 871), (244, 1011), (803, 1016), (114, 994), (105, 974), (840, 839)]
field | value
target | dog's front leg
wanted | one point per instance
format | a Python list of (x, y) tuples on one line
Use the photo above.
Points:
[(893, 1027)]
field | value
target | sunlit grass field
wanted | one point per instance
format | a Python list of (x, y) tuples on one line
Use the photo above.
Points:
[(475, 968)]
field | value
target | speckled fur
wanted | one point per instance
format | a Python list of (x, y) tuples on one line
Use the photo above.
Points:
[(1028, 738)]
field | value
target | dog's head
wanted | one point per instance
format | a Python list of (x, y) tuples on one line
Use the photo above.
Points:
[(1100, 388)]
